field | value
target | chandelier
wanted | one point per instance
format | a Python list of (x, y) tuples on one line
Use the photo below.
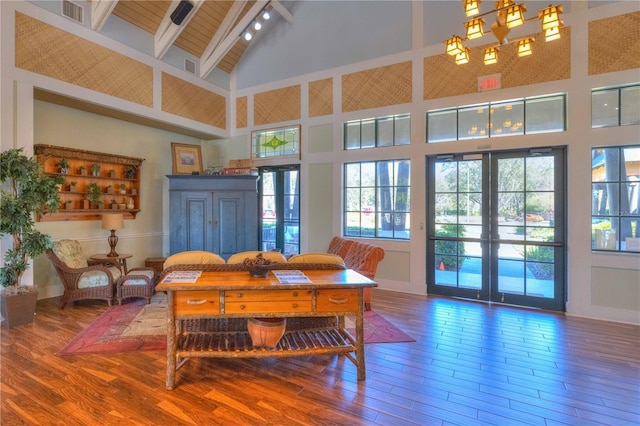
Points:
[(508, 15)]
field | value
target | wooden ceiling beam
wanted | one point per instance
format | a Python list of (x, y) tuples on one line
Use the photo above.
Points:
[(168, 32), (209, 63), (225, 27), (100, 12)]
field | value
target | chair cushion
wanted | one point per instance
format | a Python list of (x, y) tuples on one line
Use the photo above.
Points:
[(194, 257), (316, 258), (70, 252), (97, 278), (274, 256), (138, 281)]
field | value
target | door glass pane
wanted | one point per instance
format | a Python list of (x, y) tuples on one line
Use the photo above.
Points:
[(291, 212), (268, 211), (511, 270)]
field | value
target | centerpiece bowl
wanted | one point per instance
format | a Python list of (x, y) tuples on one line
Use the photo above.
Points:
[(258, 266)]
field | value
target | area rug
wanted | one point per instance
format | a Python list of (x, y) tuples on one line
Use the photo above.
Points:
[(136, 326)]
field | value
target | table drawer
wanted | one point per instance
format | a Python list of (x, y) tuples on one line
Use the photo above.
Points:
[(196, 302), (336, 300), (267, 301)]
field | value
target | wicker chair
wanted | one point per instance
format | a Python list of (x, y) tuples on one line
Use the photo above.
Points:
[(80, 280), (139, 282)]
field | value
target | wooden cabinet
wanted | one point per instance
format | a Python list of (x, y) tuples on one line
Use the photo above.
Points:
[(213, 213), (116, 178)]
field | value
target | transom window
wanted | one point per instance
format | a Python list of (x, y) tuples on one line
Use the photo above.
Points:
[(376, 199), (377, 132), (615, 106), (615, 203), (495, 119)]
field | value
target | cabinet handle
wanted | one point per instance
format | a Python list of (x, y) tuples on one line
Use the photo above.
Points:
[(239, 295), (338, 301), (196, 302), (295, 294), (242, 307), (295, 305)]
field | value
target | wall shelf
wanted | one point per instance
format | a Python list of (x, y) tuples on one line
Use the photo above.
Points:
[(112, 174)]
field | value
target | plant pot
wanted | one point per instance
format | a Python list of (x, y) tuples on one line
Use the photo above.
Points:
[(266, 332), (18, 309)]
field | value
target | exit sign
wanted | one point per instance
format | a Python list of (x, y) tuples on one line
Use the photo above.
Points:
[(489, 82)]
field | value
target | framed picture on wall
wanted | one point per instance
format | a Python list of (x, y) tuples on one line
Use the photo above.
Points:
[(187, 159)]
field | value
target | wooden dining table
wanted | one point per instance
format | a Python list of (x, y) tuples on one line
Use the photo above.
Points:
[(207, 316)]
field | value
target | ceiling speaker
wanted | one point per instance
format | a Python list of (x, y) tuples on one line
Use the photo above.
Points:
[(181, 12)]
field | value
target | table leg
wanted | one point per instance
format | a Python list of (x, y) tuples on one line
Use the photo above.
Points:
[(124, 266), (360, 336), (171, 344)]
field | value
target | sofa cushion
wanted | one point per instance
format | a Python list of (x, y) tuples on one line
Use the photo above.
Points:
[(326, 258)]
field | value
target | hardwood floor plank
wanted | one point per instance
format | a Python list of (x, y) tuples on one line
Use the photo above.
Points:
[(471, 364)]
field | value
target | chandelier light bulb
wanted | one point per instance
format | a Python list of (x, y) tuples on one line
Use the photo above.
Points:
[(266, 15), (257, 25), (248, 36)]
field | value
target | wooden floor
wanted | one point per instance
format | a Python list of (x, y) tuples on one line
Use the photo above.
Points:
[(472, 363)]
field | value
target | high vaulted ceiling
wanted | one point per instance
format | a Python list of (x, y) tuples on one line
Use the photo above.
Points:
[(211, 31)]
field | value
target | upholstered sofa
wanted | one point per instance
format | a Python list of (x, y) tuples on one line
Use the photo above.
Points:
[(359, 256)]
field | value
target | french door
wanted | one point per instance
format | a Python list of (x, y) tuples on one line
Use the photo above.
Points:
[(495, 227), (280, 209)]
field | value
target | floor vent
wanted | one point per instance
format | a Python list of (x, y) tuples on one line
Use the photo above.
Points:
[(189, 66), (72, 11)]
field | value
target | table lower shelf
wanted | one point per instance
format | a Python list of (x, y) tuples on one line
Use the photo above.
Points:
[(239, 345)]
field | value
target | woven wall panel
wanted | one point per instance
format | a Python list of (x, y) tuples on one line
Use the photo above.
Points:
[(44, 49), (187, 100), (377, 87), (241, 112), (277, 105), (321, 97), (614, 44), (550, 61)]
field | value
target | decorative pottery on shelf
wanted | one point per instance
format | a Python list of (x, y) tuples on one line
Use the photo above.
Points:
[(258, 266), (266, 332)]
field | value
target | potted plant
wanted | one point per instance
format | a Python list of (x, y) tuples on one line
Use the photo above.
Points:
[(112, 173), (63, 165), (129, 172), (123, 189), (93, 194), (27, 192), (72, 186), (82, 170), (114, 204), (95, 169), (67, 204), (108, 189)]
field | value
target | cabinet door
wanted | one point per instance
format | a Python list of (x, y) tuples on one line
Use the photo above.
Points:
[(235, 222), (191, 220)]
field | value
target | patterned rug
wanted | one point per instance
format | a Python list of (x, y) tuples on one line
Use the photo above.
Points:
[(136, 326)]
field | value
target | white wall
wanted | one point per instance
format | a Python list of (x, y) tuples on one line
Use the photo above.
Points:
[(403, 269)]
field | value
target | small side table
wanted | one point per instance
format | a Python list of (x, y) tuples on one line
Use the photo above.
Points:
[(120, 261), (155, 263)]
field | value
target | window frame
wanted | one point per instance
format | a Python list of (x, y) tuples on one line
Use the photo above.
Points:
[(487, 109), (399, 191), (364, 123)]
